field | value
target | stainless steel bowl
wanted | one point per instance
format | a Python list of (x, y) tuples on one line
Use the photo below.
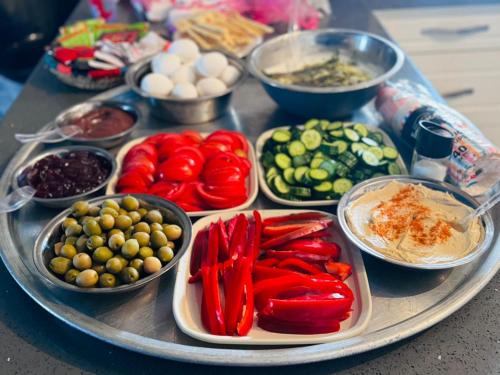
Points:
[(105, 142), (66, 201), (380, 57), (184, 111), (380, 182), (43, 251)]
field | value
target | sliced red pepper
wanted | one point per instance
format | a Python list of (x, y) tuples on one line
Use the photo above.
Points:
[(264, 272), (308, 257), (213, 245), (246, 321), (223, 241), (198, 251), (258, 234), (294, 217), (296, 264), (269, 262), (212, 297), (250, 242), (234, 291), (239, 237), (324, 234), (305, 230), (279, 230), (314, 247), (342, 270), (272, 324)]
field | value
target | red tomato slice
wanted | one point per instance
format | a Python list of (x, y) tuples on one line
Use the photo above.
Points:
[(140, 164), (192, 153), (210, 149), (194, 136), (167, 190), (223, 159), (131, 180), (190, 195), (223, 138), (143, 149), (168, 148), (161, 138), (228, 190), (239, 139), (221, 176), (189, 207), (177, 169), (216, 201)]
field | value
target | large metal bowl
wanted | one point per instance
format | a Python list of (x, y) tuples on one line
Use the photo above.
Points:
[(66, 201), (44, 252), (106, 142), (378, 183), (184, 111), (381, 58)]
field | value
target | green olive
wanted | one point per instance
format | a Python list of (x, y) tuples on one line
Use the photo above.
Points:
[(142, 227), (114, 265), (68, 251), (94, 210), (81, 243), (109, 211), (122, 211), (130, 248), (142, 212), (71, 275), (99, 268), (171, 244), (91, 227), (137, 264), (154, 216), (87, 278), (130, 203), (165, 254), (123, 222), (156, 226), (172, 231), (122, 259), (145, 252), (94, 242), (102, 254), (68, 222), (83, 220), (142, 238), (107, 221), (115, 231), (80, 208), (57, 248), (152, 265), (128, 233), (82, 261), (60, 265), (135, 216), (70, 240), (129, 275), (111, 204), (116, 241), (107, 280), (158, 239)]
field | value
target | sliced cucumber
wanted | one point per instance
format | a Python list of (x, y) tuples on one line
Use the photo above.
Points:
[(270, 180), (337, 133), (288, 175), (311, 124), (272, 172), (316, 162), (342, 186), (324, 124), (280, 185), (281, 147), (300, 160), (300, 192), (329, 148), (341, 146), (358, 148), (369, 141), (318, 174), (393, 168), (361, 130), (319, 155), (329, 166), (307, 180), (324, 189), (390, 153), (351, 135), (335, 125), (283, 161), (377, 137), (311, 139), (268, 159), (296, 148), (370, 159), (281, 136), (299, 173), (341, 169), (377, 151), (349, 159)]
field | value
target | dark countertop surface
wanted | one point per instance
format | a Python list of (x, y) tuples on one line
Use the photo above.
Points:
[(32, 341)]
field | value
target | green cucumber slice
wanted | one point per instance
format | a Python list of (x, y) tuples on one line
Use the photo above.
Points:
[(311, 139), (342, 186), (312, 123), (300, 192), (280, 185), (267, 159), (341, 146), (299, 173), (295, 132), (336, 125), (377, 137), (288, 175), (341, 169), (390, 153), (377, 151), (329, 166), (296, 148), (361, 130), (324, 124), (370, 159), (300, 160), (349, 159), (281, 136), (316, 162), (283, 161), (393, 168), (272, 172), (328, 148), (369, 141), (358, 148), (323, 190), (337, 133), (351, 135), (318, 174)]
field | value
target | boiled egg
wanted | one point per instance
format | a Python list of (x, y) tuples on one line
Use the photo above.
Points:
[(211, 64), (165, 63), (210, 86), (184, 90), (186, 49), (156, 84), (230, 75)]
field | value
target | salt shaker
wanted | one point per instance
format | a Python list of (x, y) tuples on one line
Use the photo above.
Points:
[(433, 148)]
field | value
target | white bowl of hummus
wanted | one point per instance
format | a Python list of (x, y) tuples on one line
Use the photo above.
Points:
[(412, 222)]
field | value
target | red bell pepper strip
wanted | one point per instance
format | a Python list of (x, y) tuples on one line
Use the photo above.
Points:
[(213, 245), (342, 270), (295, 264), (305, 230), (319, 247), (250, 243), (198, 252), (230, 225), (324, 234), (278, 230), (308, 257), (301, 328), (264, 272), (258, 234), (223, 241), (239, 237), (246, 321), (294, 217), (209, 296), (268, 262), (234, 291)]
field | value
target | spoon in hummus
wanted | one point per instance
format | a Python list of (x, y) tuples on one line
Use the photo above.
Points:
[(492, 200)]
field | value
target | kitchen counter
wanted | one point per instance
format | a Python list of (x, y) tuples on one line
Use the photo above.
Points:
[(32, 341)]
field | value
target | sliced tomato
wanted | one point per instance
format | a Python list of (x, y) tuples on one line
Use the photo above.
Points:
[(239, 140), (228, 189), (169, 147), (167, 190), (223, 138), (140, 164), (161, 138), (131, 180), (223, 159), (221, 176), (131, 190), (217, 201), (210, 149), (190, 195), (143, 149), (194, 136), (189, 207), (192, 153), (177, 169)]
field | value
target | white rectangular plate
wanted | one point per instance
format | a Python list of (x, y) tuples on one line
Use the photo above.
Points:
[(187, 297), (306, 203), (252, 182)]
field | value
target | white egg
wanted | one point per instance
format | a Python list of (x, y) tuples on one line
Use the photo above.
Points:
[(230, 75), (210, 86), (211, 64), (165, 63), (184, 91), (184, 74), (156, 84), (186, 49)]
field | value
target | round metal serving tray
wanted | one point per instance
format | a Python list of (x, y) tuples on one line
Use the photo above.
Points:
[(405, 301)]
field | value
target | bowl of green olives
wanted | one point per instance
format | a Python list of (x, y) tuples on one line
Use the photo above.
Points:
[(112, 244)]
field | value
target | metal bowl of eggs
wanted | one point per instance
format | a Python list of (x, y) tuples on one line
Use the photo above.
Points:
[(184, 85)]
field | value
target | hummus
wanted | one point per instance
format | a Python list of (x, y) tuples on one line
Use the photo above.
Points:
[(412, 223)]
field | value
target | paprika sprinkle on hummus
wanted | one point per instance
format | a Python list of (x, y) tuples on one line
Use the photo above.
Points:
[(413, 223)]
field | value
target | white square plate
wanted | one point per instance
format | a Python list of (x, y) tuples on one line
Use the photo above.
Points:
[(187, 297), (306, 203), (252, 182)]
